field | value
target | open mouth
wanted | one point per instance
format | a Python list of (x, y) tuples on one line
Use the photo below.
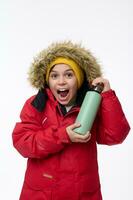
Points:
[(63, 92)]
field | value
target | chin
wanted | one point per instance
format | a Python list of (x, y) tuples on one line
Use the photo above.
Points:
[(64, 103)]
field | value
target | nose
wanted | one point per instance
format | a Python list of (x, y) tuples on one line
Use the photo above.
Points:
[(61, 80)]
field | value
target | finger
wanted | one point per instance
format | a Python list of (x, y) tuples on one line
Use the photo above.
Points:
[(97, 80), (75, 125), (82, 141), (79, 141), (87, 139), (82, 137)]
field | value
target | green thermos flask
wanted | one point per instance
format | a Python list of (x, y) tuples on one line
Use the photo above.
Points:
[(89, 109)]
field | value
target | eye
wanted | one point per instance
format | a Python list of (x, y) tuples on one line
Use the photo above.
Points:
[(54, 75), (69, 74)]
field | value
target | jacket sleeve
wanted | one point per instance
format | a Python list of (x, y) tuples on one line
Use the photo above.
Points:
[(30, 138), (112, 126)]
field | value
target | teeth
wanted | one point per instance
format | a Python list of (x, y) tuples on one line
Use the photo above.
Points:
[(61, 90)]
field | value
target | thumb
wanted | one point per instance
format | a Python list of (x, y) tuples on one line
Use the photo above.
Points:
[(75, 125)]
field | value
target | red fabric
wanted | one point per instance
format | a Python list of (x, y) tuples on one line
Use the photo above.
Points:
[(58, 169)]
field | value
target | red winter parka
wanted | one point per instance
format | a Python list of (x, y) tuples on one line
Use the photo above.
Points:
[(58, 169)]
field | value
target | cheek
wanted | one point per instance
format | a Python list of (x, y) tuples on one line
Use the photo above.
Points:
[(74, 90), (51, 84), (52, 87)]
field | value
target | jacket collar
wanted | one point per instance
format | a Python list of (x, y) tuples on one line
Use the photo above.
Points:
[(41, 97)]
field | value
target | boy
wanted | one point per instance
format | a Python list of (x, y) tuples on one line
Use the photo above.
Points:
[(62, 165)]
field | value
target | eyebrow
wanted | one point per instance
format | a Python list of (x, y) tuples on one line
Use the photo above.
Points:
[(65, 70)]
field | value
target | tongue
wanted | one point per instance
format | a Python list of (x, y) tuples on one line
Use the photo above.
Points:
[(63, 93)]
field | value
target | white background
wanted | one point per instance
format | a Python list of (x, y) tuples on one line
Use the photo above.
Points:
[(28, 26)]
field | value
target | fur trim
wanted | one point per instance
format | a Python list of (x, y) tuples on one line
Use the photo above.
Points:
[(80, 55)]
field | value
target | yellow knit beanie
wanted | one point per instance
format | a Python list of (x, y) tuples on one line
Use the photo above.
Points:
[(72, 64)]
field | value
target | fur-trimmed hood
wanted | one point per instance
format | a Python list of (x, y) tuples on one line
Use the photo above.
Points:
[(76, 52)]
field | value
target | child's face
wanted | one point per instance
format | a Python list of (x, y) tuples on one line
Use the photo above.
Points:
[(63, 83)]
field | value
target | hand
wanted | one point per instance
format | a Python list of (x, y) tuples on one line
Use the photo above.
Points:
[(104, 81), (75, 137)]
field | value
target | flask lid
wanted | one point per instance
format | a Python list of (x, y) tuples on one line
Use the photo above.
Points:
[(98, 88)]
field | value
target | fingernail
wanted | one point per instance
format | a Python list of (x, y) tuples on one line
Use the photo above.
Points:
[(78, 124)]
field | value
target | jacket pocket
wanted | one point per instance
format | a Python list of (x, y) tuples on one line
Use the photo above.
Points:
[(38, 178), (89, 183), (95, 195), (29, 193)]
